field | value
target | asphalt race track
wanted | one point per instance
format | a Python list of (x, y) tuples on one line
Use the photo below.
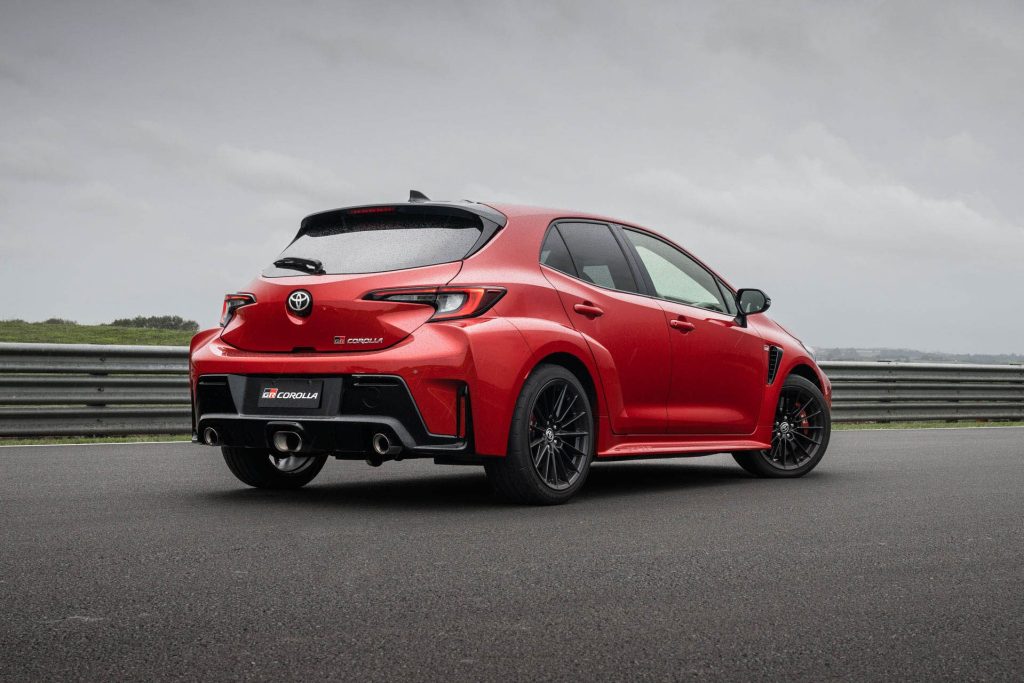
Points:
[(902, 556)]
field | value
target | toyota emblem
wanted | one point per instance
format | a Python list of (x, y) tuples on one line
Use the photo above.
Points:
[(300, 302)]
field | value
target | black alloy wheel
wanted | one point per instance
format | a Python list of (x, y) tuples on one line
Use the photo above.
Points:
[(559, 438), (800, 433), (551, 440)]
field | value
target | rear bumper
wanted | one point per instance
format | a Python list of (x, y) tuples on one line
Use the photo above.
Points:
[(354, 409), (445, 367)]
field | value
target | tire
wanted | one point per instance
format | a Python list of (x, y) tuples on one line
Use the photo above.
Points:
[(799, 436), (551, 441), (256, 467)]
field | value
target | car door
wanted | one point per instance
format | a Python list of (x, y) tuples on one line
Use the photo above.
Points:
[(719, 367), (626, 332)]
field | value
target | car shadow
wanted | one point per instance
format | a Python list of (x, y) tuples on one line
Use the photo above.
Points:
[(462, 487)]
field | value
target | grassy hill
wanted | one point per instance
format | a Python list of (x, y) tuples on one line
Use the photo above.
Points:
[(60, 333), (915, 356)]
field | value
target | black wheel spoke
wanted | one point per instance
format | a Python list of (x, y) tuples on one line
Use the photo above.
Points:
[(573, 419), (569, 445), (567, 461), (565, 410), (556, 411), (804, 436)]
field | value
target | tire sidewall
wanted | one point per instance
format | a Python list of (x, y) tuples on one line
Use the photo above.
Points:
[(252, 466)]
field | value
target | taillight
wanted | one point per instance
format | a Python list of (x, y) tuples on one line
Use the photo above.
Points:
[(232, 302), (449, 303)]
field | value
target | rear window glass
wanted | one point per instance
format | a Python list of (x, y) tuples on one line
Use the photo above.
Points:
[(346, 242)]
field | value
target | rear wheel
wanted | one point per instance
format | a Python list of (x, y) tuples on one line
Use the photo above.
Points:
[(265, 469), (800, 434), (551, 443)]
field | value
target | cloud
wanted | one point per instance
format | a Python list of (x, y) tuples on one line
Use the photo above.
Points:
[(819, 190), (39, 155), (106, 200), (862, 162), (266, 171), (12, 73)]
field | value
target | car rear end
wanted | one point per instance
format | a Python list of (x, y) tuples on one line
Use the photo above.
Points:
[(344, 345)]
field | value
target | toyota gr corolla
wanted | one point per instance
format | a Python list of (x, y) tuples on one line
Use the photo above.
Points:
[(530, 341)]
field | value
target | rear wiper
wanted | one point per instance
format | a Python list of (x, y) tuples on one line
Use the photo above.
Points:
[(306, 265)]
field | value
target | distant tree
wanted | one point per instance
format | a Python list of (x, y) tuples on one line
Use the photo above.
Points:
[(59, 321), (158, 322)]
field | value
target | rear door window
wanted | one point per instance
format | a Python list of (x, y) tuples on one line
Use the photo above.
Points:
[(597, 256), (375, 240)]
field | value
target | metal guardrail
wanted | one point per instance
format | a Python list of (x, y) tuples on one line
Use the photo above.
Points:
[(882, 391), (90, 389)]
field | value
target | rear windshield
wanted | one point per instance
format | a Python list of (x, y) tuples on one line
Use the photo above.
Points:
[(352, 242)]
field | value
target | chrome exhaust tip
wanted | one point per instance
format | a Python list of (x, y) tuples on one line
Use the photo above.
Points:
[(287, 442), (210, 436), (382, 445)]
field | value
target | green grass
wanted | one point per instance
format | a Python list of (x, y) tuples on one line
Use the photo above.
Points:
[(960, 424), (54, 333), (73, 440)]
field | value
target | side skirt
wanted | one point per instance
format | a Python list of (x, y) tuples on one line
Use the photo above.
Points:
[(662, 449)]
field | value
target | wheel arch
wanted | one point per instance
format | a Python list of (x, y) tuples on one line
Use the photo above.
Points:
[(580, 370), (808, 373)]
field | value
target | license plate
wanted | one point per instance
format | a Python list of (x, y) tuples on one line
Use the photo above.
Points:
[(291, 393)]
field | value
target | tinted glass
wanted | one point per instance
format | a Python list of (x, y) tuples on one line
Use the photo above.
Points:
[(597, 256), (729, 297), (555, 254), (375, 242), (676, 276)]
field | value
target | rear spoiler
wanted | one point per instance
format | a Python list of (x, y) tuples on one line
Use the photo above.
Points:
[(491, 219)]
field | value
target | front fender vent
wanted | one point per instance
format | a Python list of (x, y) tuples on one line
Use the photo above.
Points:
[(774, 360)]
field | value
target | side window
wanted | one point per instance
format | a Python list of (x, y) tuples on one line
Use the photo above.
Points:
[(598, 256), (555, 254), (729, 297), (675, 275)]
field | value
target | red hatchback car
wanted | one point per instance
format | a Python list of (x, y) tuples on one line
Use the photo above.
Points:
[(529, 341)]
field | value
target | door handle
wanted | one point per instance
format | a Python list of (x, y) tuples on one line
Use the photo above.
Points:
[(682, 325), (588, 309)]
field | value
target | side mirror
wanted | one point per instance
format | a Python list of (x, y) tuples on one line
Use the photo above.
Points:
[(751, 301)]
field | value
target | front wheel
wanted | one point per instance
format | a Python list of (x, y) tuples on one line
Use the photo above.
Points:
[(266, 469), (551, 442), (800, 433)]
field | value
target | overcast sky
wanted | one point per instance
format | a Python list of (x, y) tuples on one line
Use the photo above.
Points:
[(860, 161)]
